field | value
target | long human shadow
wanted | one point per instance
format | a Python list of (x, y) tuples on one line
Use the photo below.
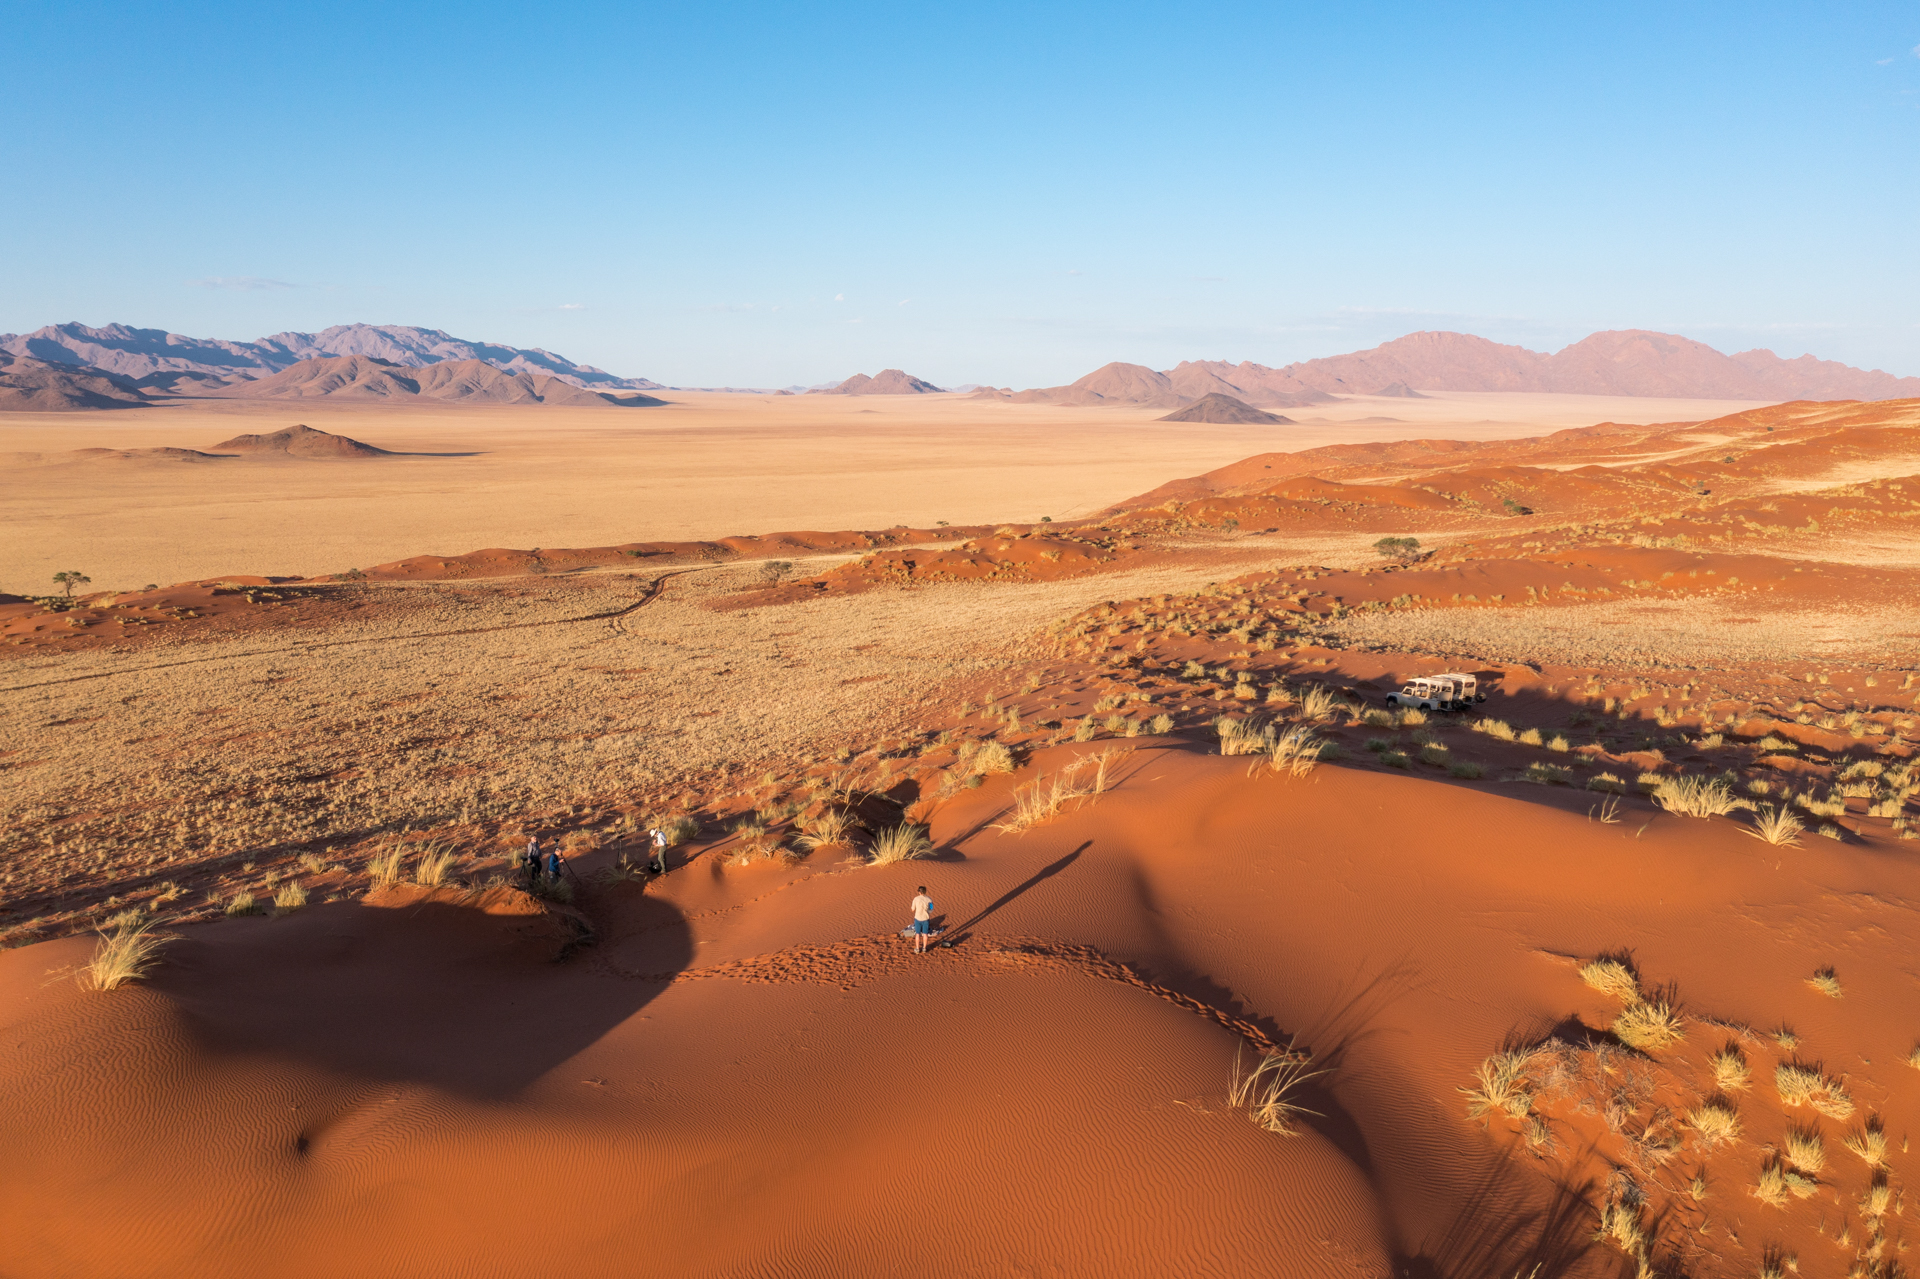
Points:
[(1046, 872), (472, 997)]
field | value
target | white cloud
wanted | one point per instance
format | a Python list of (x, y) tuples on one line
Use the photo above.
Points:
[(1883, 62), (572, 306), (904, 301), (839, 297), (241, 283)]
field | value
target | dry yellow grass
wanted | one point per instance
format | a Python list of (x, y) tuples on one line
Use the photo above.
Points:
[(1805, 1149), (291, 896), (905, 842), (1649, 1027), (1503, 1086), (1270, 1092), (1730, 1070), (1869, 1144), (1612, 978), (126, 954), (1715, 1121), (1827, 982), (1776, 825), (1696, 797), (1046, 796)]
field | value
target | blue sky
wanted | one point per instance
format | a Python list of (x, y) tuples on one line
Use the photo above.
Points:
[(780, 193)]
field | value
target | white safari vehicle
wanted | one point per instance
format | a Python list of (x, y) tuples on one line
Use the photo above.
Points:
[(1439, 693), (1427, 694)]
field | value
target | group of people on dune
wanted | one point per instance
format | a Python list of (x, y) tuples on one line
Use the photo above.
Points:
[(544, 866)]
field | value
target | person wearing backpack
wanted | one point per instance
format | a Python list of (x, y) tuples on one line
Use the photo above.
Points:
[(659, 838), (532, 860)]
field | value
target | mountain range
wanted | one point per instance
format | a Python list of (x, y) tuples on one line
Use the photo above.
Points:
[(154, 358), (1630, 362)]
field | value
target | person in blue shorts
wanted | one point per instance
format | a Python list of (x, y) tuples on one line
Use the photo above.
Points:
[(922, 921)]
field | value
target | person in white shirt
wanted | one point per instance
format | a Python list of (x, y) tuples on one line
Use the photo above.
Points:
[(922, 921)]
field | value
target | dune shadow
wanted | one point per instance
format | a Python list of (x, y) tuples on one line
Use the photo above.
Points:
[(961, 933), (469, 997)]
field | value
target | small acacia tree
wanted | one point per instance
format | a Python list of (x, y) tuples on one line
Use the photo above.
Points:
[(1401, 550), (774, 570), (70, 579)]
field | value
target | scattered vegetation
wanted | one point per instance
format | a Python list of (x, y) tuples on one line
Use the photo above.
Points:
[(292, 896), (1827, 982)]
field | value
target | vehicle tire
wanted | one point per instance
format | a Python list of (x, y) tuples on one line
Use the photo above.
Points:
[(1393, 699)]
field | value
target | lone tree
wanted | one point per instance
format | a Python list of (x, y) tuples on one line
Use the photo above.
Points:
[(773, 570), (1401, 550), (70, 579)]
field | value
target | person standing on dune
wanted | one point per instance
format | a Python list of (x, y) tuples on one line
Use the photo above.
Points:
[(659, 850), (922, 921), (533, 861)]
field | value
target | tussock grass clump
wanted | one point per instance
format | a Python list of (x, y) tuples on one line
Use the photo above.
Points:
[(292, 896), (1319, 702), (1047, 795), (903, 843), (1730, 1070), (1772, 1186), (1160, 725), (1879, 1198), (1805, 1149), (126, 954), (1607, 782), (1715, 1121), (1297, 751), (1465, 769), (1270, 1091), (991, 757), (826, 830), (1503, 1086), (1498, 729), (1612, 978), (1776, 824), (1649, 1027), (1435, 753), (1827, 982), (1695, 796), (1913, 1058), (1869, 1144), (242, 903), (1530, 737), (434, 866), (384, 870), (1800, 1085)]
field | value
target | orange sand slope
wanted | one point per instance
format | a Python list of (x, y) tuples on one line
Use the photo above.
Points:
[(733, 1081)]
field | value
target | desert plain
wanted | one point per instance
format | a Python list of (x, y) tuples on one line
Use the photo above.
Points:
[(1244, 970)]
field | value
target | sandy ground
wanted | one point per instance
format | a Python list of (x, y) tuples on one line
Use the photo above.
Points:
[(708, 466)]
